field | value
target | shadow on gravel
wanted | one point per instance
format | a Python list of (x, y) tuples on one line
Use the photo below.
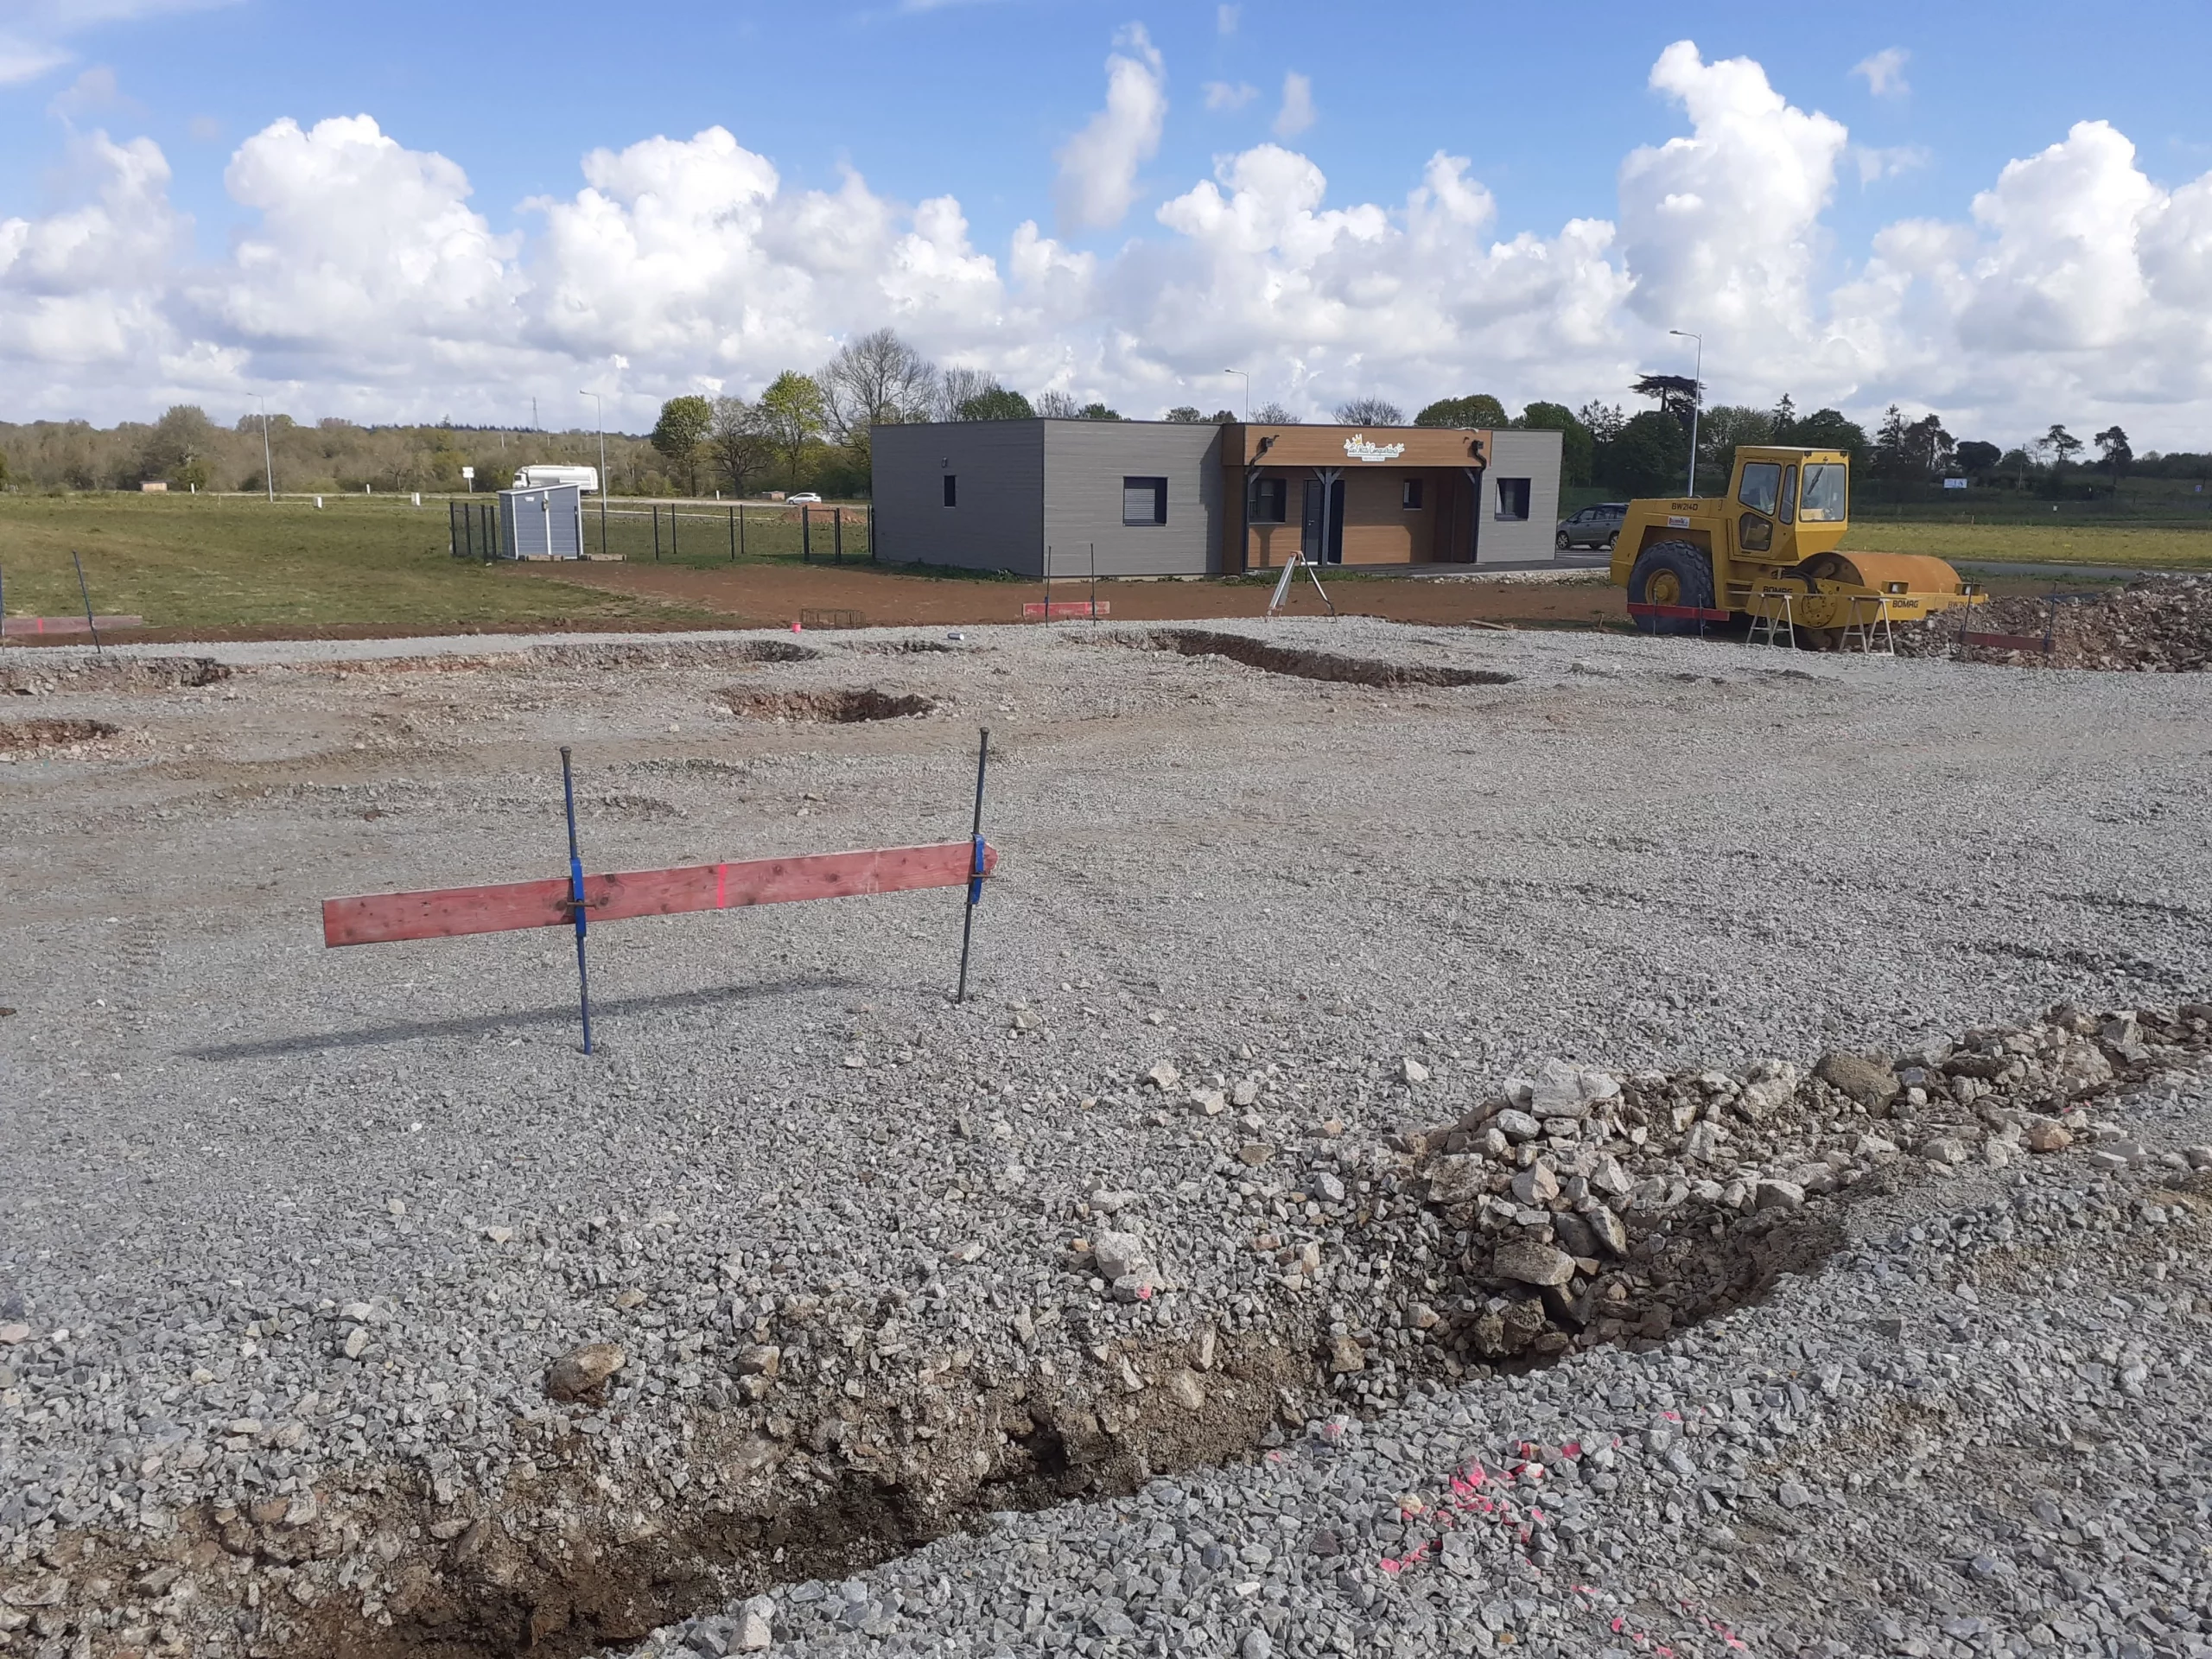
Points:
[(1307, 665), (486, 1024)]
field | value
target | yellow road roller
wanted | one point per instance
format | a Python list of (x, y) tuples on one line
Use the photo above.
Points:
[(1766, 555)]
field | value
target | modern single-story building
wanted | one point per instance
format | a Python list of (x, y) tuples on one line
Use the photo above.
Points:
[(1162, 499)]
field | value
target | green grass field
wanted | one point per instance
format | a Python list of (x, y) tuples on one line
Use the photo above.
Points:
[(2165, 549), (228, 564)]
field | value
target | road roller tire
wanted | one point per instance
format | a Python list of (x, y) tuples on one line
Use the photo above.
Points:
[(1670, 573)]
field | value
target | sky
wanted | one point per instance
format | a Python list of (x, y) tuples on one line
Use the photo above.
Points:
[(406, 211)]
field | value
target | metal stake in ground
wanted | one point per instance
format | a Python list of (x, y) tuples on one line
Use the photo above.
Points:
[(577, 892), (976, 871), (87, 594)]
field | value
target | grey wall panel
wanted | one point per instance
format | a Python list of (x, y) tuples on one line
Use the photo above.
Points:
[(545, 523), (1084, 464), (1534, 456), (998, 521)]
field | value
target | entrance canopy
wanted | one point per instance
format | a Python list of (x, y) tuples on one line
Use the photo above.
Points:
[(1353, 495)]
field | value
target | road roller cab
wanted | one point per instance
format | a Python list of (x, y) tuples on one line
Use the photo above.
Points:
[(1771, 548)]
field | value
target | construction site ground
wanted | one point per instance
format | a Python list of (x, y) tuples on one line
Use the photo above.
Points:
[(1574, 595), (1461, 1141)]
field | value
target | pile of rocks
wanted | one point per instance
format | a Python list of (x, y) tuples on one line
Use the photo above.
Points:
[(1585, 1208), (2162, 625)]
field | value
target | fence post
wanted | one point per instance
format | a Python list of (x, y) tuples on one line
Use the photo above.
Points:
[(733, 534), (871, 533), (671, 530), (805, 534), (838, 532), (740, 531)]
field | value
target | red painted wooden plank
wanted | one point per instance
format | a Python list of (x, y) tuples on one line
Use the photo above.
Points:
[(1686, 613), (376, 918), (1035, 610)]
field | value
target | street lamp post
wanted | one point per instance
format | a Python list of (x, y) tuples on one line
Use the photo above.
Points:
[(1247, 393), (268, 462), (600, 421), (1697, 400)]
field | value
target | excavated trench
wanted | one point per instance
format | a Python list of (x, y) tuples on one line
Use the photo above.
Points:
[(840, 707), (25, 736), (905, 648), (566, 1564), (1309, 665), (1574, 1212), (696, 653)]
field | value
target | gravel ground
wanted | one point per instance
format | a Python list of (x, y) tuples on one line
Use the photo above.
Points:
[(1197, 1224)]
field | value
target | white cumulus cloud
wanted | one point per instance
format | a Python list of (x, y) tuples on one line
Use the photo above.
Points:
[(1098, 166), (1721, 227), (1220, 95), (364, 278), (82, 290)]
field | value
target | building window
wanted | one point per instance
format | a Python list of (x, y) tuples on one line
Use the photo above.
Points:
[(1144, 501), (1412, 502), (1513, 497), (1270, 500), (952, 490)]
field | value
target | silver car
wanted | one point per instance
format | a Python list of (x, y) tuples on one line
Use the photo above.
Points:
[(1598, 526)]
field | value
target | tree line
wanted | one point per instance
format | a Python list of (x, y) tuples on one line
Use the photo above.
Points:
[(810, 430), (186, 450)]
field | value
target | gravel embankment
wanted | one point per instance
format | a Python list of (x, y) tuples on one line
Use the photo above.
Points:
[(2159, 625), (1221, 1150)]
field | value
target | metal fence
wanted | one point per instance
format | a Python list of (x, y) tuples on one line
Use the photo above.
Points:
[(473, 528), (693, 532)]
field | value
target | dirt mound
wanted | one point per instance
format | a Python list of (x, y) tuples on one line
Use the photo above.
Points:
[(2162, 625), (23, 737), (841, 708), (47, 675), (1310, 664)]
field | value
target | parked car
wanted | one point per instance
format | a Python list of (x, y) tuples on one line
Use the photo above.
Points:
[(1598, 526), (808, 496)]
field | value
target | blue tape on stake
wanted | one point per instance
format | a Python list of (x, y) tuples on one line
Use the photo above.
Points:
[(975, 879)]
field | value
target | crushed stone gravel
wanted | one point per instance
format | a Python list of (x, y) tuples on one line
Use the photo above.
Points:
[(1377, 1090), (2160, 625)]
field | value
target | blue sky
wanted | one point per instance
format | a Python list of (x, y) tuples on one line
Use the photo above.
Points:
[(978, 99)]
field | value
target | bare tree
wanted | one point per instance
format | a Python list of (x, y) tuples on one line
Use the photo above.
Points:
[(877, 380), (1274, 414), (1057, 406), (957, 387), (1369, 411), (738, 439)]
